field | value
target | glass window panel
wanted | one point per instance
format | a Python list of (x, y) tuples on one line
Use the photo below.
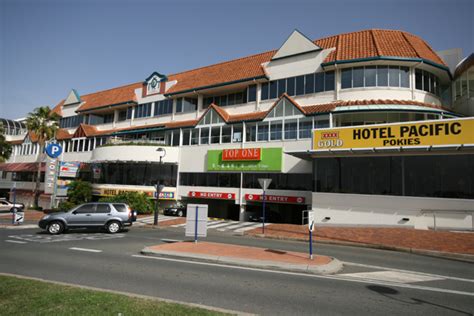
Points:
[(237, 133), (419, 79), (265, 94), (405, 77), (300, 85), (207, 102), (215, 135), (309, 84), (432, 84), (329, 81), (281, 86), (226, 134), (291, 129), (275, 130), (230, 99), (279, 110), (394, 76), (186, 135), (290, 86), (273, 89), (194, 136), (289, 108), (262, 131), (382, 76), (252, 93), (319, 82), (370, 75), (358, 77), (346, 78), (179, 105), (204, 135), (239, 98), (251, 132), (426, 81), (305, 127)]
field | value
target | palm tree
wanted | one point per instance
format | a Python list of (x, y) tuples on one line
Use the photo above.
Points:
[(43, 123), (5, 147)]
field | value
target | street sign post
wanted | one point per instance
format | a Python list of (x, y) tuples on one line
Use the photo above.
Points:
[(53, 151), (196, 221), (311, 229), (264, 184), (158, 188)]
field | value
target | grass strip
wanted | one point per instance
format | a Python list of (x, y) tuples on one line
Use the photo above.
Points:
[(30, 297)]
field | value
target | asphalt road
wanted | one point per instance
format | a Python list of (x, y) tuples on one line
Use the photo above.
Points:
[(373, 281)]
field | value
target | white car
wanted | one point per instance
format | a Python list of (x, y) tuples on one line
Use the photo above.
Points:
[(7, 206)]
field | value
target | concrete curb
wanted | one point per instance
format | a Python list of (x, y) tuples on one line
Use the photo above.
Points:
[(331, 268), (431, 253)]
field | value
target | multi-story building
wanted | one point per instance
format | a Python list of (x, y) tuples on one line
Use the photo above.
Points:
[(226, 125)]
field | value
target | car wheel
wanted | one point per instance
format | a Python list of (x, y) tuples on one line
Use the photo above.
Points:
[(55, 228), (113, 227), (180, 213), (13, 210)]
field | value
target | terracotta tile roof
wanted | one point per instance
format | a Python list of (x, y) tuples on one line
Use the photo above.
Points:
[(62, 134), (113, 96), (328, 107), (234, 70), (253, 116), (377, 43), (349, 46), (176, 124), (58, 108)]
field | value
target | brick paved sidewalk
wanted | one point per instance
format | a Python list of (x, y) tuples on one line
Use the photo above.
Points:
[(441, 241)]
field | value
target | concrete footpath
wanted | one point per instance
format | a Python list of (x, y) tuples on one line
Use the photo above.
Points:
[(246, 256), (446, 244)]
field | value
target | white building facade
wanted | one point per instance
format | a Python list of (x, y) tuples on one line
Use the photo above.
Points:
[(226, 125)]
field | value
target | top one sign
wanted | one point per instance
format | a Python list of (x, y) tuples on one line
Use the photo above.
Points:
[(53, 150), (245, 154), (426, 133)]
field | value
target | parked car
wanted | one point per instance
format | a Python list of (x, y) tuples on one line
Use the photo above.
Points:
[(270, 217), (176, 210), (7, 206), (111, 216)]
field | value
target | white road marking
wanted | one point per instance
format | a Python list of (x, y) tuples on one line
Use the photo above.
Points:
[(16, 241), (234, 226), (150, 219), (329, 277), (391, 276), (407, 271), (85, 249), (221, 225), (22, 226), (240, 230), (179, 225)]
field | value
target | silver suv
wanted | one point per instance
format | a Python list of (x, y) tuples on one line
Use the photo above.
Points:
[(7, 206), (111, 216)]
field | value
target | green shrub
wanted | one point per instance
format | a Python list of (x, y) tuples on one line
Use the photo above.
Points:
[(137, 201), (65, 206), (79, 192)]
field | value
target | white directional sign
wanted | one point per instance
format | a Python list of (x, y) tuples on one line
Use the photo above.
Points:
[(311, 220), (264, 183), (201, 211), (19, 217)]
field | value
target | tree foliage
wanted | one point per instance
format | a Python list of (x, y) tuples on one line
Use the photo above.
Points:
[(137, 201), (79, 192), (5, 147), (42, 124)]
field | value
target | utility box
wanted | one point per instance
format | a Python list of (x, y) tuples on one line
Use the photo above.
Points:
[(196, 220)]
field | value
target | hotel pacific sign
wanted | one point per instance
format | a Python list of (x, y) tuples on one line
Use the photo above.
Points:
[(245, 159), (425, 133)]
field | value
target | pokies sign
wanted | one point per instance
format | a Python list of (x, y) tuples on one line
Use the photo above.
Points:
[(426, 133)]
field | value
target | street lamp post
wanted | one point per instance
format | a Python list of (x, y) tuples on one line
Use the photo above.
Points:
[(159, 187)]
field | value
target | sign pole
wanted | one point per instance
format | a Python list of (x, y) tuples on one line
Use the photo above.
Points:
[(55, 187), (14, 201), (196, 226), (311, 245), (310, 230), (263, 217)]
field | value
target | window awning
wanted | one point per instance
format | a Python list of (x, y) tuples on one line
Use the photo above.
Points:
[(21, 167)]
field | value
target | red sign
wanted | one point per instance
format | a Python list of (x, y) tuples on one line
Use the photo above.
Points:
[(245, 154), (326, 135), (275, 198), (212, 195)]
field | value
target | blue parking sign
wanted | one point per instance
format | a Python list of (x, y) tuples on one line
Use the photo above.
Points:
[(53, 150)]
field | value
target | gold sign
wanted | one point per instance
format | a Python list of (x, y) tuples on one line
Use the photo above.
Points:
[(425, 133)]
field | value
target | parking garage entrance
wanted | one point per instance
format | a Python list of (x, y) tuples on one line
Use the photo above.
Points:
[(221, 205)]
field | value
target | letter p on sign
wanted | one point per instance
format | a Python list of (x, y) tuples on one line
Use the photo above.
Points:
[(53, 150)]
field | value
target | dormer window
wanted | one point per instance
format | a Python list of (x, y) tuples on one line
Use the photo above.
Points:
[(153, 83)]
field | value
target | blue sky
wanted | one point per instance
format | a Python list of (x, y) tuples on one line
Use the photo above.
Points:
[(48, 47)]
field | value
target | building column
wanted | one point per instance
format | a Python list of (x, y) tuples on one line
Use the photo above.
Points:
[(258, 97), (241, 213), (116, 115), (412, 82)]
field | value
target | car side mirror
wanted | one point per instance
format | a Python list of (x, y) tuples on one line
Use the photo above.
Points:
[(74, 212)]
